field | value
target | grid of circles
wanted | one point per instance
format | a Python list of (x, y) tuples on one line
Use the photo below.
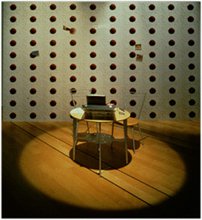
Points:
[(113, 90)]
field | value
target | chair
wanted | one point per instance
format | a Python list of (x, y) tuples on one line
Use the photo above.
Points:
[(74, 104), (133, 122)]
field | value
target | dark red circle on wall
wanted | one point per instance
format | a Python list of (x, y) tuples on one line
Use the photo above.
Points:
[(12, 43), (113, 66), (112, 42), (191, 42), (172, 115), (152, 66), (13, 7), (152, 90), (172, 90), (172, 78), (152, 42), (114, 102), (32, 103), (13, 30), (92, 30), (93, 42), (113, 78), (172, 102), (53, 42), (53, 66), (171, 19), (13, 91), (171, 54), (132, 91), (152, 19), (72, 6), (53, 18), (171, 66), (12, 115), (33, 79), (53, 91), (52, 30), (53, 54), (53, 79), (192, 114), (191, 66), (132, 102), (132, 7), (132, 18), (113, 30), (132, 30), (72, 54), (73, 78), (33, 19), (92, 54), (171, 42), (152, 31), (112, 18), (33, 30), (132, 66), (113, 90), (152, 7), (92, 6), (32, 67), (152, 115), (72, 42), (12, 103), (72, 18), (152, 78), (113, 54), (12, 55), (13, 19), (73, 66), (93, 66), (190, 7), (171, 30), (93, 90), (13, 67), (53, 115), (171, 7), (152, 102), (32, 91), (192, 90), (132, 78), (152, 54), (32, 6), (53, 103), (52, 6), (93, 79), (92, 18), (190, 19), (191, 54), (112, 6), (12, 79), (32, 42), (132, 42)]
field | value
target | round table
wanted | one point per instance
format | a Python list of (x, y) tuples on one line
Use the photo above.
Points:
[(78, 114)]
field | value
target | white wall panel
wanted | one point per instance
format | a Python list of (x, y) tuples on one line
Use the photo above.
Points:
[(38, 88)]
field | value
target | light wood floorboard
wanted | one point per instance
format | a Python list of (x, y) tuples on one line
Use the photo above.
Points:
[(39, 154)]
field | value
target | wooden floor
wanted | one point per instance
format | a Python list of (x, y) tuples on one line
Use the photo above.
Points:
[(40, 179)]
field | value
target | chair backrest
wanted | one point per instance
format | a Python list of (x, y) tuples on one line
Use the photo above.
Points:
[(134, 103)]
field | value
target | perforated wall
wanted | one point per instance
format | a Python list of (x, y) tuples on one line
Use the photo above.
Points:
[(120, 49)]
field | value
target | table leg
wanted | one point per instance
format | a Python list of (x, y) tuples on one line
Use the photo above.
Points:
[(99, 148), (75, 136), (125, 139)]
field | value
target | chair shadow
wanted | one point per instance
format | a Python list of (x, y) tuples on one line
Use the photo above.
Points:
[(113, 156)]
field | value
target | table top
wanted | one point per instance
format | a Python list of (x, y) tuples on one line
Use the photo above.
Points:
[(120, 115)]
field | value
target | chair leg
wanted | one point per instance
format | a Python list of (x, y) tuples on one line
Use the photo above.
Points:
[(133, 138), (140, 132)]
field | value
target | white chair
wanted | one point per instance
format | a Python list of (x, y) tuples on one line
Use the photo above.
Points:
[(133, 122)]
